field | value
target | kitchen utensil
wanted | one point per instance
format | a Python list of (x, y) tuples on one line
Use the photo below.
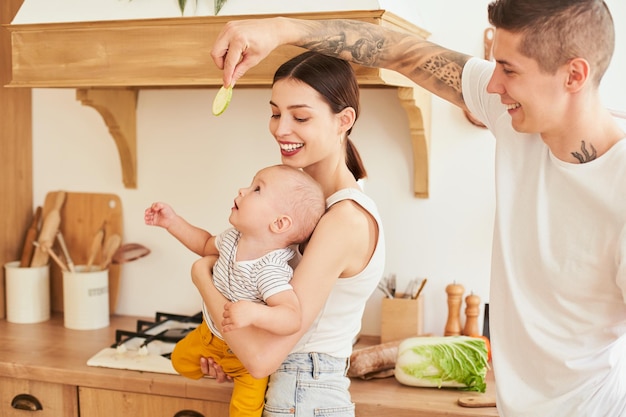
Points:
[(129, 252), (66, 253), (477, 401), (384, 289), (111, 245), (95, 247), (31, 236), (419, 290), (48, 232), (82, 215), (48, 250)]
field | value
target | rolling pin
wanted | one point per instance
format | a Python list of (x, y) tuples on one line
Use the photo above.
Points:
[(48, 231), (31, 236)]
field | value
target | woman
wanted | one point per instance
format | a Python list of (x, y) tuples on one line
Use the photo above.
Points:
[(314, 103)]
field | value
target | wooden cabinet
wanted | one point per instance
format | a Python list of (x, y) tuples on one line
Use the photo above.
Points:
[(107, 403), (20, 396), (47, 363)]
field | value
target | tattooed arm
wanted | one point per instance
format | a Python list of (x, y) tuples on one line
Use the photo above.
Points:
[(243, 44)]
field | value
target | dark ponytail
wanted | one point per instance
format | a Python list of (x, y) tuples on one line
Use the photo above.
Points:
[(354, 162), (335, 81)]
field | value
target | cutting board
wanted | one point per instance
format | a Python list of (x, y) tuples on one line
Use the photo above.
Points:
[(82, 215)]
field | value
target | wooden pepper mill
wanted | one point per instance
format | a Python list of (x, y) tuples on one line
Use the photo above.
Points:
[(455, 294), (472, 309)]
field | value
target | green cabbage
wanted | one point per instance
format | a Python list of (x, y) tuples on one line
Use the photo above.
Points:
[(450, 361)]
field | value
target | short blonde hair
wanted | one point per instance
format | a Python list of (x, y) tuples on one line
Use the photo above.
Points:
[(303, 201)]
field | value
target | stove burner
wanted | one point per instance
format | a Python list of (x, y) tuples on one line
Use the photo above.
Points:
[(150, 346), (169, 335)]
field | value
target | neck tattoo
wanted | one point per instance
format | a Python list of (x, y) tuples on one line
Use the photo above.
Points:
[(584, 155)]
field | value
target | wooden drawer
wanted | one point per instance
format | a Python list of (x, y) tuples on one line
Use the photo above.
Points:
[(17, 395), (107, 403)]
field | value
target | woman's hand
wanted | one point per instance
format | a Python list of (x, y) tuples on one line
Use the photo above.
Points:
[(211, 369)]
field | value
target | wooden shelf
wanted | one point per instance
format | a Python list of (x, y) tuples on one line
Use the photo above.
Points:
[(108, 62)]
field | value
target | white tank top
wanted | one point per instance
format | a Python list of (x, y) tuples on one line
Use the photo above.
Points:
[(339, 322)]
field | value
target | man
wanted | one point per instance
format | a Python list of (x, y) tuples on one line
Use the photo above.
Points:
[(558, 289)]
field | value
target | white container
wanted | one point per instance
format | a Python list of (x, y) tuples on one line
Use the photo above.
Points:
[(86, 298), (27, 293)]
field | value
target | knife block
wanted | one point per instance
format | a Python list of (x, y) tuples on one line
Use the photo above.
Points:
[(401, 318)]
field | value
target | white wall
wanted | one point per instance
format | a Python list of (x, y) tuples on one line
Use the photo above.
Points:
[(196, 162)]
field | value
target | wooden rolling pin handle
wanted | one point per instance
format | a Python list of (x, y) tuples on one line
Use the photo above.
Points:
[(31, 236), (455, 294)]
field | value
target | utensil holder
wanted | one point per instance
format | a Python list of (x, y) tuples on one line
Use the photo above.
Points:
[(27, 293), (401, 318), (86, 298)]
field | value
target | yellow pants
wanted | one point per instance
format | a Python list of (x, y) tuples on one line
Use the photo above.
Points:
[(248, 393)]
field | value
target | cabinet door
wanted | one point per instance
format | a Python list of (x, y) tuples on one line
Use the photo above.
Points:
[(48, 399), (107, 403)]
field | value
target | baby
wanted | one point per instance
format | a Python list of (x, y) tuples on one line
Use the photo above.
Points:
[(280, 208)]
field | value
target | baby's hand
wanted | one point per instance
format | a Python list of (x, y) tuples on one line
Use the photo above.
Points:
[(238, 315), (159, 214)]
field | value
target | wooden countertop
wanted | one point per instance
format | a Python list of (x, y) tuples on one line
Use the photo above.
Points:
[(49, 352)]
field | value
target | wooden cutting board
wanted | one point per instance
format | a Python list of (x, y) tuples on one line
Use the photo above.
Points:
[(82, 215)]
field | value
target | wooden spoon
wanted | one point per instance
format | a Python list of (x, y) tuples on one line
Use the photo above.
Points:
[(95, 248), (129, 252), (111, 245)]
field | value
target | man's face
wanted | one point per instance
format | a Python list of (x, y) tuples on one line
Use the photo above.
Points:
[(536, 100)]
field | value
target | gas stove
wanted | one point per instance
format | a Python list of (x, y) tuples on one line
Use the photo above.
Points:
[(149, 347)]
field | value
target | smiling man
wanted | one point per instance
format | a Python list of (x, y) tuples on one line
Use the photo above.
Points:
[(558, 289)]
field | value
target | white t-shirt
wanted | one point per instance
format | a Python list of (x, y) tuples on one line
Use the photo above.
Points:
[(558, 282), (253, 280)]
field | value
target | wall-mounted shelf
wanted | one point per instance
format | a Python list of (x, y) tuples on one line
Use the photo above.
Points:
[(109, 61)]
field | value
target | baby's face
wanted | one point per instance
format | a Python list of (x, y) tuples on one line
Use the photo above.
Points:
[(256, 206)]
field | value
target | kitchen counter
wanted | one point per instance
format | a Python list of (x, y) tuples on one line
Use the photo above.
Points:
[(50, 353)]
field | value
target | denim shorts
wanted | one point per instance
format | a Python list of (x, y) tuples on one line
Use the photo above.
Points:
[(309, 385)]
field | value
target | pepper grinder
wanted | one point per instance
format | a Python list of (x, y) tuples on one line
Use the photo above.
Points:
[(453, 325), (472, 303)]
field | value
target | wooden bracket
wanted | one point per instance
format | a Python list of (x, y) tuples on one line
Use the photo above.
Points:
[(416, 103), (117, 106)]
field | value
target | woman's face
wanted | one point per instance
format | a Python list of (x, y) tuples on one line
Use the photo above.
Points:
[(306, 129)]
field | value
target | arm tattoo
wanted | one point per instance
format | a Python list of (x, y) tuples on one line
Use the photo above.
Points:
[(445, 70), (584, 155), (364, 51), (429, 65)]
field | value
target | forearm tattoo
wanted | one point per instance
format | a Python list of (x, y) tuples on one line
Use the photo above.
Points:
[(584, 155), (445, 70), (371, 46), (365, 50)]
